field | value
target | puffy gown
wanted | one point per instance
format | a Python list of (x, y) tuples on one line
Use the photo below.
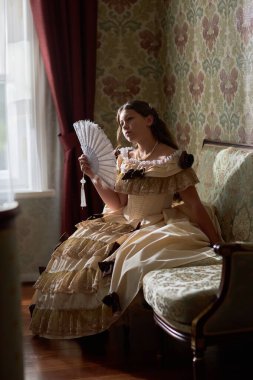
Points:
[(149, 233)]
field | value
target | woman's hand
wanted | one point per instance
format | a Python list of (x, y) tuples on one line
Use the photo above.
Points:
[(85, 166), (112, 199)]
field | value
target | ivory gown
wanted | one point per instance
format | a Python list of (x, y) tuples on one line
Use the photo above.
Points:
[(69, 293)]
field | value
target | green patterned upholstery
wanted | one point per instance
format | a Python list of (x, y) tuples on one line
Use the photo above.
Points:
[(180, 294), (225, 175)]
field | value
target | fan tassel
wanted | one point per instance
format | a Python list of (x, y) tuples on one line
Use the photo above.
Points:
[(83, 199)]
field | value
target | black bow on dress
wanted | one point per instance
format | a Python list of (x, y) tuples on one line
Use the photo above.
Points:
[(134, 173)]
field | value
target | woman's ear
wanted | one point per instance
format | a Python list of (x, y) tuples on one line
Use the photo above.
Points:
[(150, 120)]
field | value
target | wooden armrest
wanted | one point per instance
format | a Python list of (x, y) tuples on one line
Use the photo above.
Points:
[(227, 249), (232, 311)]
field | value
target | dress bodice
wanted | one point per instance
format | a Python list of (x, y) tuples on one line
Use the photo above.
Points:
[(151, 185), (142, 206)]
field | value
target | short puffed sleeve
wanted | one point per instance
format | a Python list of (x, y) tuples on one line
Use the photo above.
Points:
[(184, 179)]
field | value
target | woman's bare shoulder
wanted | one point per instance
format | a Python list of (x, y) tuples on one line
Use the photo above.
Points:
[(164, 150)]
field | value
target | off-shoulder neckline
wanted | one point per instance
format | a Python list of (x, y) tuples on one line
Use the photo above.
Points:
[(125, 155)]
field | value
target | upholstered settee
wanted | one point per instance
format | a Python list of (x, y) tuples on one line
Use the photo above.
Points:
[(205, 304)]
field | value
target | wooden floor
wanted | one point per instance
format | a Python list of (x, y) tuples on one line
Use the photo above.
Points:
[(106, 357)]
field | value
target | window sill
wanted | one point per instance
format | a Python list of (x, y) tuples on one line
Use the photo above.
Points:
[(35, 194)]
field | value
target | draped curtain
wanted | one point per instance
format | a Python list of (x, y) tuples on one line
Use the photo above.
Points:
[(67, 36)]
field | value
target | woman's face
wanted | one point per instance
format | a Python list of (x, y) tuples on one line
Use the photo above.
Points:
[(134, 126)]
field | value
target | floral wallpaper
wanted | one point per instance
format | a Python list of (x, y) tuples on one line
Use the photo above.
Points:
[(191, 59)]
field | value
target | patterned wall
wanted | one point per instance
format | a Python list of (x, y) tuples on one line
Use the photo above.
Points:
[(38, 232), (192, 59)]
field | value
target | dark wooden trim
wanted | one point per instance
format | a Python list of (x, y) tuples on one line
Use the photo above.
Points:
[(226, 143), (184, 337), (227, 249)]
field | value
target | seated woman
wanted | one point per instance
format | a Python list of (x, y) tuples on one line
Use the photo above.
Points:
[(139, 231)]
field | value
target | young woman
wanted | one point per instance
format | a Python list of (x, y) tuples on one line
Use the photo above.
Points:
[(97, 272)]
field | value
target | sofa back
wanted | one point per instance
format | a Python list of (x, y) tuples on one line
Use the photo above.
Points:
[(225, 172)]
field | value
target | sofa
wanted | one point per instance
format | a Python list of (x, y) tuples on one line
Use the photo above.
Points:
[(208, 304)]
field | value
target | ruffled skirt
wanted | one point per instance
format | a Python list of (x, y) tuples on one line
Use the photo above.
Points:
[(69, 292)]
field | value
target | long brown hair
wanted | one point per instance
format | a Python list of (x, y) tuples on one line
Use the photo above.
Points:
[(158, 128)]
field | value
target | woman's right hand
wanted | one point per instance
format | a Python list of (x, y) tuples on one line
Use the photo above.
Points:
[(85, 166)]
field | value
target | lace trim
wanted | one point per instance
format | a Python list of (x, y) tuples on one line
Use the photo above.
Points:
[(78, 248), (151, 185), (85, 280), (84, 249), (70, 323), (146, 163), (101, 226)]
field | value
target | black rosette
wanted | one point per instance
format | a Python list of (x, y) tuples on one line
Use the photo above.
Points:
[(185, 160)]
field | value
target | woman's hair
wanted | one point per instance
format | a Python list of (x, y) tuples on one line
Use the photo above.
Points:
[(158, 128)]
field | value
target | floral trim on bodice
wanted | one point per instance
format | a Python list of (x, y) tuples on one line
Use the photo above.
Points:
[(124, 152), (154, 176)]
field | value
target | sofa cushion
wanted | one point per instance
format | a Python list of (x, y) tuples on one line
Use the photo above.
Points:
[(225, 175), (178, 295)]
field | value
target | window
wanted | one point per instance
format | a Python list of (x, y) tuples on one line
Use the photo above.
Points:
[(23, 98)]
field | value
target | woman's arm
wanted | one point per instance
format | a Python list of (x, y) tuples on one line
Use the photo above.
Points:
[(111, 198), (198, 213)]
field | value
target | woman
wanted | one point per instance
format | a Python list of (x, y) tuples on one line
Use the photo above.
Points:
[(96, 273)]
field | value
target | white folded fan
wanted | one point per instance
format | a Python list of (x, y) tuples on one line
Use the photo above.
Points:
[(99, 151)]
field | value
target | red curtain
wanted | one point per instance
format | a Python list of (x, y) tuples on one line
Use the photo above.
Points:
[(67, 36)]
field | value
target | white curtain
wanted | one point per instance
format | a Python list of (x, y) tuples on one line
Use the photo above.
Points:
[(27, 120)]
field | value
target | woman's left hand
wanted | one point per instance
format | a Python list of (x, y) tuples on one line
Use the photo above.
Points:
[(85, 166)]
